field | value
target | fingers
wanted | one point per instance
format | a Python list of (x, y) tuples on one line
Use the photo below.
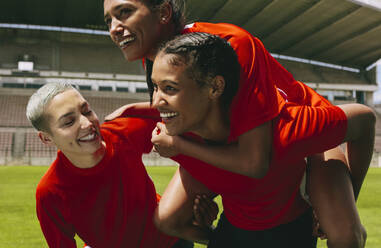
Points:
[(316, 229), (198, 218), (160, 125), (205, 211), (157, 130), (112, 116), (155, 149)]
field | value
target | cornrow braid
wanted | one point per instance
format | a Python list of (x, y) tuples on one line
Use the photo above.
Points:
[(206, 56)]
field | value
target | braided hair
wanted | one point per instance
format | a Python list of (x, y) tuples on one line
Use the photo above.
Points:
[(206, 56)]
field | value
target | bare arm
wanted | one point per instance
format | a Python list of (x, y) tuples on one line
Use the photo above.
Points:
[(139, 109), (333, 201), (250, 156), (174, 215), (360, 141)]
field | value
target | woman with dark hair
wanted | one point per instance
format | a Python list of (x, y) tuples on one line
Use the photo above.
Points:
[(195, 77), (138, 27)]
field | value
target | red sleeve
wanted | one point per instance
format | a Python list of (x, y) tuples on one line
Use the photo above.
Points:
[(51, 214), (304, 130), (138, 131), (257, 100), (133, 111)]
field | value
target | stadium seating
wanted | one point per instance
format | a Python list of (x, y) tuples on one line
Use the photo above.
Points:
[(12, 113), (35, 148), (5, 146)]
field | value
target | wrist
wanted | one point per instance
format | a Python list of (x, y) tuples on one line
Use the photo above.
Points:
[(177, 143)]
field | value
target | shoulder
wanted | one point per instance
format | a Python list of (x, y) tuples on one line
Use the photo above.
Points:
[(47, 187), (227, 31), (129, 126), (135, 131)]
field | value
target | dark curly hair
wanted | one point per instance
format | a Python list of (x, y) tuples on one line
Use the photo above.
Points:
[(206, 57)]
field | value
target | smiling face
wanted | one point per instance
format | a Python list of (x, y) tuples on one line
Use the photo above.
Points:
[(183, 105), (73, 127), (134, 27)]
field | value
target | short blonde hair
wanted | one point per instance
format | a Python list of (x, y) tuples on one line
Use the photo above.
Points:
[(38, 101)]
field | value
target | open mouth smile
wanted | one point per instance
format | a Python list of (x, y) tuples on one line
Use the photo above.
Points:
[(126, 41), (90, 137), (166, 116)]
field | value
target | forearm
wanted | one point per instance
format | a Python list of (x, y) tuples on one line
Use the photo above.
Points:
[(186, 231), (140, 109), (174, 214), (360, 141), (359, 163), (228, 157)]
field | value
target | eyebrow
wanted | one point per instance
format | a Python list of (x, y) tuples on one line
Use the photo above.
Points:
[(171, 82), (165, 81), (83, 105), (65, 115), (107, 15)]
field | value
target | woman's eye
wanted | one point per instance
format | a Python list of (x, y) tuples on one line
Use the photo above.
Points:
[(69, 123), (125, 11), (88, 112), (108, 22), (169, 88)]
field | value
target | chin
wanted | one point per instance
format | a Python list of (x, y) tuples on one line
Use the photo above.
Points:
[(171, 132), (131, 56)]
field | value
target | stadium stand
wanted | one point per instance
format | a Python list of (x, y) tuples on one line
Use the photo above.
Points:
[(302, 71), (12, 112), (35, 148), (341, 76), (5, 146), (319, 74)]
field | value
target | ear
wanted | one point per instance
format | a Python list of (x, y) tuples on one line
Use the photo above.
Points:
[(45, 138), (165, 12), (217, 87)]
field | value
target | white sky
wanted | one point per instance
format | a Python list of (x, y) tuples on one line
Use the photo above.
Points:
[(375, 4)]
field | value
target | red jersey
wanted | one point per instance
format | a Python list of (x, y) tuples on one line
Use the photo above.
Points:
[(108, 205), (259, 204)]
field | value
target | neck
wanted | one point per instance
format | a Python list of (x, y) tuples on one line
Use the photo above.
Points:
[(85, 161), (167, 32), (216, 127)]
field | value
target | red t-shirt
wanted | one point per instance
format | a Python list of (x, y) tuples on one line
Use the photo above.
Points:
[(259, 204), (109, 205)]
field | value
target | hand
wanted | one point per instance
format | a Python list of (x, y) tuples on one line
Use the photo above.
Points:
[(117, 113), (163, 143), (205, 211), (316, 230), (139, 109)]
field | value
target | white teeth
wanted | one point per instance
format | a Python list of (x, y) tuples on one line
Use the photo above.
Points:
[(125, 41), (168, 114), (88, 137)]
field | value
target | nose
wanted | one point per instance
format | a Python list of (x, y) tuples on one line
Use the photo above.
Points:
[(85, 122), (116, 27), (158, 99)]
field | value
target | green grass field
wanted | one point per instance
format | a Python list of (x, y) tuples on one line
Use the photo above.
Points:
[(19, 226)]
